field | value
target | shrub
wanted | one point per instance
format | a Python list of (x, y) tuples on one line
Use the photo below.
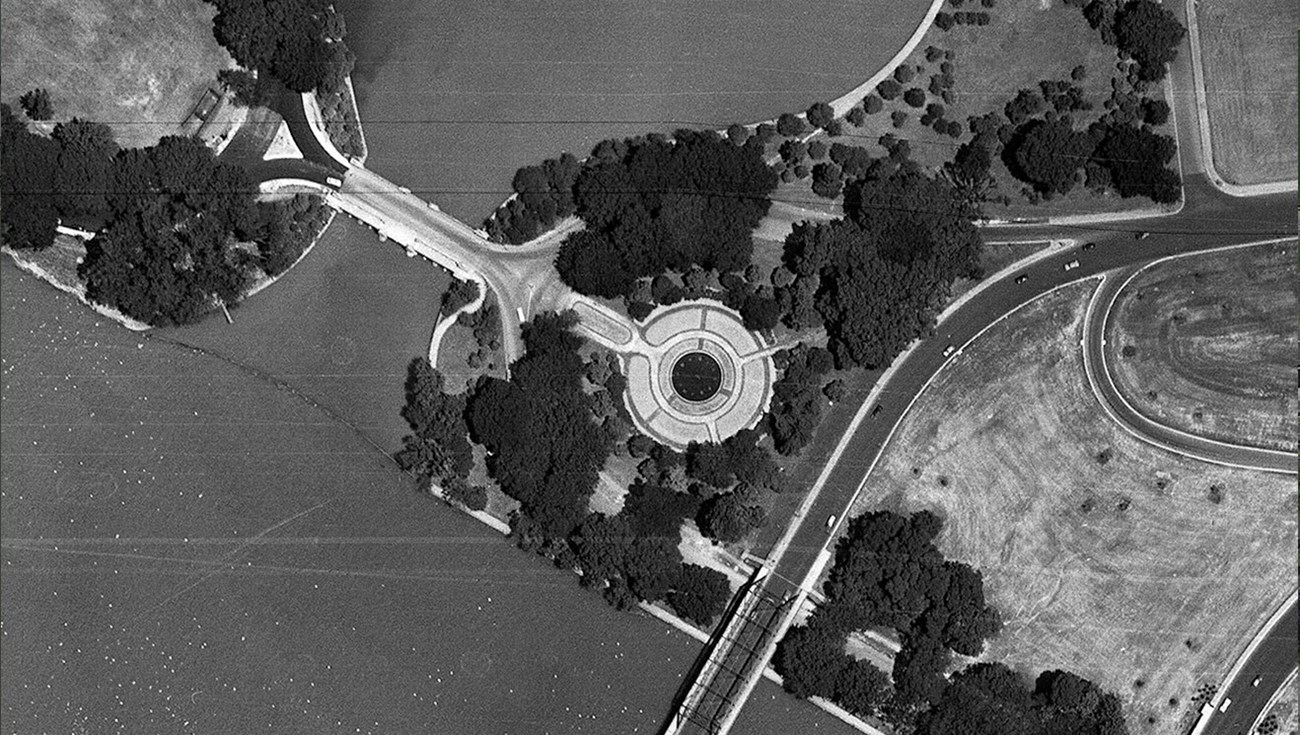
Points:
[(944, 21), (871, 104), (738, 133), (790, 124), (898, 118), (856, 116), (820, 115), (933, 54), (889, 89), (817, 150), (36, 104), (914, 97), (904, 73)]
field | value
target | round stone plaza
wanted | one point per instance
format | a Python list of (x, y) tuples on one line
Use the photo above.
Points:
[(694, 373)]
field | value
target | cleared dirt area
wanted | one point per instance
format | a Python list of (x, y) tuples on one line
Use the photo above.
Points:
[(1207, 344), (1249, 53), (1125, 572), (138, 65)]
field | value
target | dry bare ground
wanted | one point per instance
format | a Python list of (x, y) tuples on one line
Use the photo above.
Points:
[(1207, 344), (1123, 571), (1249, 53), (138, 65)]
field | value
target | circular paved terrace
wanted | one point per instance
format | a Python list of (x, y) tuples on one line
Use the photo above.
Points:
[(694, 373)]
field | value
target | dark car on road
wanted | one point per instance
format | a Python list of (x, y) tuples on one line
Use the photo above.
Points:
[(1089, 245), (1021, 278)]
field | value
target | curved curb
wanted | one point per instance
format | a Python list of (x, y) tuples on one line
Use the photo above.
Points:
[(1240, 664), (1097, 337), (449, 321), (841, 105), (1287, 683), (1203, 123), (316, 121)]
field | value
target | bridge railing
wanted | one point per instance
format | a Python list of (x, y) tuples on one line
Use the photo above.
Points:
[(733, 656)]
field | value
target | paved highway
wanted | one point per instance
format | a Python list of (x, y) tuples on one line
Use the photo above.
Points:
[(1209, 219), (1272, 662)]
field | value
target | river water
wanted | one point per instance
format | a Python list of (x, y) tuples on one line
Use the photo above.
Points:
[(211, 541), (461, 93), (201, 530)]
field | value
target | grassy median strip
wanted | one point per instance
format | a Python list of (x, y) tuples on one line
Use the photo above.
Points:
[(1207, 344)]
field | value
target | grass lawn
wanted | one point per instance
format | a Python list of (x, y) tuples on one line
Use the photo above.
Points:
[(139, 66), (1207, 344), (1248, 48), (1025, 42), (1123, 572)]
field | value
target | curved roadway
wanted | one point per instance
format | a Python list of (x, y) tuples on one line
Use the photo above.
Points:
[(1117, 406), (1208, 220)]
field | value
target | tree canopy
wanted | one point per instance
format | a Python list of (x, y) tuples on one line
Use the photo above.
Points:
[(1151, 34), (652, 204), (544, 445), (299, 42)]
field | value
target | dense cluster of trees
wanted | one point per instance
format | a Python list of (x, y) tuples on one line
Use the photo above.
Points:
[(888, 573), (544, 446), (548, 433), (543, 195), (878, 277), (286, 229), (170, 218), (798, 396), (299, 42), (1145, 30), (653, 204), (1041, 145), (991, 699), (438, 448)]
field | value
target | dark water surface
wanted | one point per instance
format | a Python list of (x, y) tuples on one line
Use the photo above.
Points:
[(455, 95), (212, 540), (190, 546)]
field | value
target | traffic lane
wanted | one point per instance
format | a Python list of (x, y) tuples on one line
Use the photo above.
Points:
[(915, 371), (1111, 252), (1207, 213), (1272, 662), (289, 105)]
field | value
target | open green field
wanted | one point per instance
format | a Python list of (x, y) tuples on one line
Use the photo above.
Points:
[(1248, 48), (138, 65), (1122, 571), (1207, 344)]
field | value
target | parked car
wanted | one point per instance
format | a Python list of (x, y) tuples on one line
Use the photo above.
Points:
[(1089, 245), (334, 181), (1255, 682), (1141, 235), (1224, 707), (947, 351), (1072, 265), (1021, 279), (830, 522)]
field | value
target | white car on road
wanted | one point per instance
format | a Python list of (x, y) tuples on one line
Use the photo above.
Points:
[(1072, 265)]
